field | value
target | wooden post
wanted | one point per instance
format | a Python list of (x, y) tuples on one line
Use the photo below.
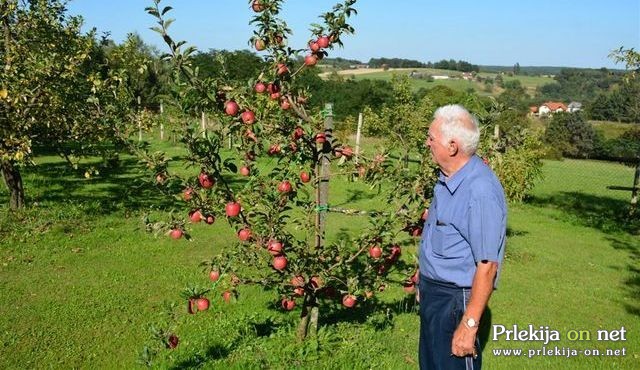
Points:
[(204, 127), (496, 131), (139, 122), (358, 137), (161, 122), (322, 173), (634, 192), (309, 320)]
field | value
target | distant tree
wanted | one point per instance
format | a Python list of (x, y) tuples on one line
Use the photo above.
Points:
[(571, 135), (237, 65), (516, 69)]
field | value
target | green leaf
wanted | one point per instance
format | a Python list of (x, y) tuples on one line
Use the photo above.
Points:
[(166, 9), (157, 29), (167, 23)]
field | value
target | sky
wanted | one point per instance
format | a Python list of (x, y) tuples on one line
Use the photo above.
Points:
[(489, 32)]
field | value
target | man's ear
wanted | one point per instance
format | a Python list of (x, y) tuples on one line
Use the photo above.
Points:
[(453, 148)]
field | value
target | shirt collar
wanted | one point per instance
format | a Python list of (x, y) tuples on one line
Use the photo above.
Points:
[(453, 182)]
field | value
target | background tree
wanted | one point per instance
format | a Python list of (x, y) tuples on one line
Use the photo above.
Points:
[(51, 94), (571, 135)]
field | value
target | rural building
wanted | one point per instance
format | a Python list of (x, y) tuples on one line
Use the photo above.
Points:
[(550, 107), (574, 106)]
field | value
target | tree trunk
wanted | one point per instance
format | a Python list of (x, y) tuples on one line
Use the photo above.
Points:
[(13, 180), (308, 326)]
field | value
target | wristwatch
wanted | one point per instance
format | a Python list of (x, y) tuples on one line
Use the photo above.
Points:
[(470, 322)]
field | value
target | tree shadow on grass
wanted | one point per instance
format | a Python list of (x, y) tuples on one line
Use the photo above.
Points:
[(599, 212), (380, 315), (250, 330), (125, 187), (214, 352), (632, 283), (610, 216)]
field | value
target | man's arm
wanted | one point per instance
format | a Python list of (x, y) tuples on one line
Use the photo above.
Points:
[(463, 343)]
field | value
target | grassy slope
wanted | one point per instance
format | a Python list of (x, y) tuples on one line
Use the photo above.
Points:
[(529, 82), (80, 281)]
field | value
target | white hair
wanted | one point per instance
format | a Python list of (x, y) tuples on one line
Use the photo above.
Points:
[(457, 123)]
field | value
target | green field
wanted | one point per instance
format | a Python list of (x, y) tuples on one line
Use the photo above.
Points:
[(612, 130), (81, 280), (529, 82)]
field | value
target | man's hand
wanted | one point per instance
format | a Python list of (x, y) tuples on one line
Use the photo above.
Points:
[(463, 343)]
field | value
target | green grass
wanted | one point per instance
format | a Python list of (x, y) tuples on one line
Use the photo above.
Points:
[(613, 130), (81, 280)]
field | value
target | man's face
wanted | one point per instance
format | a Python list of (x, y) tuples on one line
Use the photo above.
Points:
[(439, 151)]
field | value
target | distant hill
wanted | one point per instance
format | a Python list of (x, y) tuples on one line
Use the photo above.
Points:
[(535, 70)]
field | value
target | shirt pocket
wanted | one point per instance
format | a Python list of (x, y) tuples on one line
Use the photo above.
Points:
[(447, 242)]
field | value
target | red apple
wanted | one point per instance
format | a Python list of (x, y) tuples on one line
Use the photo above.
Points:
[(284, 187), (288, 304), (187, 194), (274, 247), (279, 262), (323, 41), (415, 277), (172, 341), (206, 180), (298, 291), (245, 171), (232, 209), (214, 275), (274, 149), (375, 252), (231, 108), (284, 104), (297, 281), (281, 69), (310, 60), (260, 44), (320, 138), (226, 296), (176, 234), (298, 133), (210, 219), (314, 46), (202, 303), (347, 151), (304, 177), (248, 117), (349, 301), (409, 287), (417, 231), (275, 96), (260, 87), (244, 234), (257, 6), (273, 88), (195, 216), (316, 282)]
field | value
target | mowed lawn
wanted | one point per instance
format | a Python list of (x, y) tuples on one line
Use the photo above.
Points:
[(81, 281)]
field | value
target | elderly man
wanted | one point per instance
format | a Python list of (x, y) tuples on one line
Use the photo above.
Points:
[(462, 245)]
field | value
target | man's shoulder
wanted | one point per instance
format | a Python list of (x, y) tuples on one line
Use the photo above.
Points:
[(483, 182)]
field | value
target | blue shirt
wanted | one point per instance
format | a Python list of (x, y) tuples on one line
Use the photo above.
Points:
[(467, 223)]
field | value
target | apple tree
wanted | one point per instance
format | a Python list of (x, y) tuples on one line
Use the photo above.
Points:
[(51, 92), (278, 209)]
